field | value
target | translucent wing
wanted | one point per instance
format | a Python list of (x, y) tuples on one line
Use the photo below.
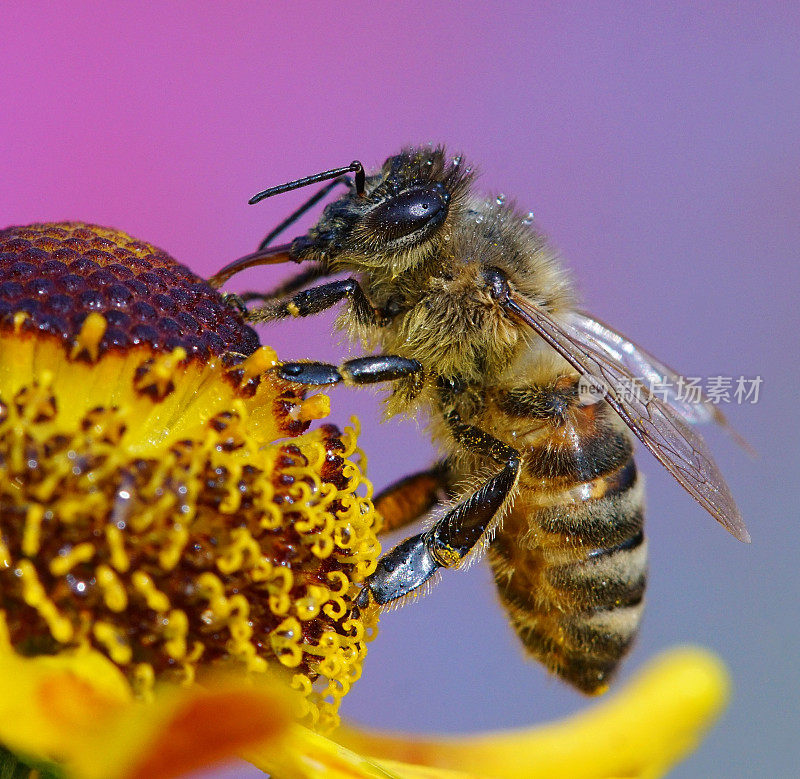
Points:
[(661, 426), (695, 408)]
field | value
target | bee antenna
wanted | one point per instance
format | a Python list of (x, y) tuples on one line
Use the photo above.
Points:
[(354, 167)]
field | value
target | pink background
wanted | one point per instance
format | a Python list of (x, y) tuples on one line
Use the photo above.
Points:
[(657, 145)]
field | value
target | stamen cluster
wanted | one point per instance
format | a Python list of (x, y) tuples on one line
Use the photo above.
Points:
[(161, 499)]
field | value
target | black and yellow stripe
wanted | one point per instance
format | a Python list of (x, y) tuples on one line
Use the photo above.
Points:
[(570, 560)]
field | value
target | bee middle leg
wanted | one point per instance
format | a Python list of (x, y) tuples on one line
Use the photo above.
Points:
[(410, 564)]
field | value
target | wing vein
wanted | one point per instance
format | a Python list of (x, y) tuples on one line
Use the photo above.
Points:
[(661, 426)]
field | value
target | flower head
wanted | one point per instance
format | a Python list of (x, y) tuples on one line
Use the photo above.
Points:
[(161, 498)]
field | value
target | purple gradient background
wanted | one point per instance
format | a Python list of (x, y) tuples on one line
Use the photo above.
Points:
[(660, 149)]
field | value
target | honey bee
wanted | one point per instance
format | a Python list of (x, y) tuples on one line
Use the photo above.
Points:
[(474, 322)]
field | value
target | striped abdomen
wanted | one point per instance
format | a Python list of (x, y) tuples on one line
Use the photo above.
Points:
[(570, 560)]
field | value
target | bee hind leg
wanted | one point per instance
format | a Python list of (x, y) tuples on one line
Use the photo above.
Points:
[(406, 568), (410, 564), (456, 534)]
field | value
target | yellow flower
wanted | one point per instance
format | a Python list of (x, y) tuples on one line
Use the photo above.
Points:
[(162, 501), (180, 553), (79, 710), (639, 731)]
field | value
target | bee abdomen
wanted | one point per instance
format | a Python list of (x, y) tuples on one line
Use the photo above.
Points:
[(606, 578), (573, 576), (606, 591)]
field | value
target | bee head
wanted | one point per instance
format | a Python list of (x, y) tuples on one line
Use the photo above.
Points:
[(400, 218)]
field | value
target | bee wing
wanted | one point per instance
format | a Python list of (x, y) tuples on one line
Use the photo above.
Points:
[(660, 426), (649, 368)]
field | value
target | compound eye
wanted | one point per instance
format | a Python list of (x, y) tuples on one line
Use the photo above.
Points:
[(417, 209)]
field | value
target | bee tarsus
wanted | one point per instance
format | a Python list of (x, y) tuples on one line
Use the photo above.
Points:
[(400, 572)]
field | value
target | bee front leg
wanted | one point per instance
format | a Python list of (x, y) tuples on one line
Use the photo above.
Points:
[(285, 288), (409, 565), (361, 370), (317, 299)]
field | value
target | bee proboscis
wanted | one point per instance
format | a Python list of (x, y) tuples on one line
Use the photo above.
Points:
[(475, 324)]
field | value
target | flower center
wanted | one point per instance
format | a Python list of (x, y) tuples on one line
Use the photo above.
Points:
[(166, 507)]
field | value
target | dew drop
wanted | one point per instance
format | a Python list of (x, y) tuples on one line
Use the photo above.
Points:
[(500, 199), (528, 218)]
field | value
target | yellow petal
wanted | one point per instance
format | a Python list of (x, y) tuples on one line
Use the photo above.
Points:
[(76, 709), (310, 755), (186, 730), (45, 701), (641, 731)]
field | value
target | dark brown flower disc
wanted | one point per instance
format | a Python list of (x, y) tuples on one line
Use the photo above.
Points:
[(58, 273)]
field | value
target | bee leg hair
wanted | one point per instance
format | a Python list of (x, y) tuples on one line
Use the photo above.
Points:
[(410, 564), (455, 535)]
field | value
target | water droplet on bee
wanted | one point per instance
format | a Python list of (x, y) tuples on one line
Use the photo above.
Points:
[(456, 161), (528, 218), (478, 219), (500, 199)]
